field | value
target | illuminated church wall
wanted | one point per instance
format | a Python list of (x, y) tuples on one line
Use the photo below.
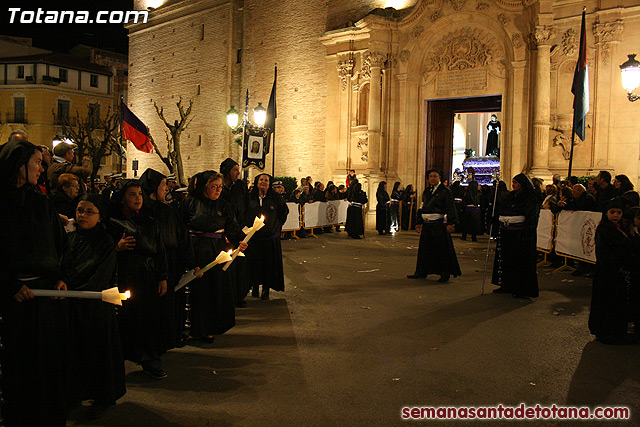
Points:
[(331, 117)]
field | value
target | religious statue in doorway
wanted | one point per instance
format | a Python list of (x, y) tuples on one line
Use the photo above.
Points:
[(493, 146)]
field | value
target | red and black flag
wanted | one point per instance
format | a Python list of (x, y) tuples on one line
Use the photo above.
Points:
[(580, 87), (135, 131)]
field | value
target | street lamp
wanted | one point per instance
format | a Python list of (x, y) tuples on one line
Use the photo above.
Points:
[(232, 117), (630, 71), (260, 115)]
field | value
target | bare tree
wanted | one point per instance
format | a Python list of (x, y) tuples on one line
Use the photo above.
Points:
[(95, 137), (173, 159)]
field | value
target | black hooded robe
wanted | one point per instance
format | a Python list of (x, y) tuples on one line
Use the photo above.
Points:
[(34, 332), (383, 214), (139, 271), (264, 254), (96, 352), (515, 263), (179, 253), (212, 296), (436, 254), (357, 198), (394, 207), (472, 201)]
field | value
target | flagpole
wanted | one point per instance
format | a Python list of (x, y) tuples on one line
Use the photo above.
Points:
[(573, 137)]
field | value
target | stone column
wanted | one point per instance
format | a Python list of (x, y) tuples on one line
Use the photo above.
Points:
[(541, 36), (345, 71), (375, 62)]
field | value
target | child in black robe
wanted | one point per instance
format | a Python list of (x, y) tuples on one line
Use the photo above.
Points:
[(142, 269), (357, 199), (96, 353)]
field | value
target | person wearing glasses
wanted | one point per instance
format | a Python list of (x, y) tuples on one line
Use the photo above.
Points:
[(66, 198), (96, 353), (210, 220)]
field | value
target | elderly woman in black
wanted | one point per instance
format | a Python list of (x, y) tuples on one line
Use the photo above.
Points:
[(210, 219), (264, 255), (33, 332), (514, 267), (142, 269), (616, 267), (177, 246), (357, 199), (383, 218), (96, 353)]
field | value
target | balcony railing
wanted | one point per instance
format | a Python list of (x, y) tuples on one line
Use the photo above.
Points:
[(16, 118)]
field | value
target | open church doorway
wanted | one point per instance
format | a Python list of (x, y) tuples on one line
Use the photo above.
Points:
[(461, 134)]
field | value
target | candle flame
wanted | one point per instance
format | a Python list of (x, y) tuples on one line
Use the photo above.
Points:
[(127, 294), (261, 217), (230, 251)]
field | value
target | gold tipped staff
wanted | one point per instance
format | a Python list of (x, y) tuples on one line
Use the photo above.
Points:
[(497, 176), (111, 295), (191, 274)]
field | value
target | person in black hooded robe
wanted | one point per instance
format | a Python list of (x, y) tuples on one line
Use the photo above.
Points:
[(383, 217), (236, 193), (96, 352), (357, 199), (142, 269), (209, 220), (34, 331), (613, 284), (472, 202), (408, 208), (514, 266), (264, 255), (394, 207), (436, 254), (179, 252)]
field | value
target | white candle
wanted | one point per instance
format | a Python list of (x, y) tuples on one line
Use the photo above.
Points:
[(191, 274), (111, 295), (258, 223)]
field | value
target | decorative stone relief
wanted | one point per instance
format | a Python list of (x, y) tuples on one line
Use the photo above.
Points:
[(457, 4), (363, 146), (516, 40), (569, 42), (503, 19), (605, 34), (404, 55), (482, 5), (372, 59), (541, 35), (461, 50), (417, 31), (564, 141), (435, 16), (345, 71)]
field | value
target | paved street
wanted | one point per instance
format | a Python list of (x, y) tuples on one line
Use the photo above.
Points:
[(352, 340)]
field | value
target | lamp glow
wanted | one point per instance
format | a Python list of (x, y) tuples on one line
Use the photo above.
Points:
[(260, 114), (232, 117), (630, 74)]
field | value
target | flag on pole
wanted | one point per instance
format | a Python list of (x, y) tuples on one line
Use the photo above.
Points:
[(272, 112), (580, 87), (135, 131)]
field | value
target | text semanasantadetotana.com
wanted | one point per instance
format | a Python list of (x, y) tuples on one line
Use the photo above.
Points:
[(522, 412)]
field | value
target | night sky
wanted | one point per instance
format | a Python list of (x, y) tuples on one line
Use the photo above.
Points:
[(62, 37)]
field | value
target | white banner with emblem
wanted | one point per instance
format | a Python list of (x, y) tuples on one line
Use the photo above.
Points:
[(323, 214), (576, 234), (293, 218), (545, 230)]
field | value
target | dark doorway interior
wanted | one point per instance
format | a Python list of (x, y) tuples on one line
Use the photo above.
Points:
[(440, 118)]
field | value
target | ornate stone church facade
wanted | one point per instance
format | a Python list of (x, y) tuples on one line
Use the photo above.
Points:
[(370, 88)]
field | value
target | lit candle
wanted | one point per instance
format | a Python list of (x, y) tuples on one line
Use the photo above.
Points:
[(111, 295), (191, 274), (258, 223)]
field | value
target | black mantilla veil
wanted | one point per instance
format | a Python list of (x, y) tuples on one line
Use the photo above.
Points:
[(200, 179), (255, 191), (14, 155), (381, 185), (150, 181), (525, 182), (98, 202)]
